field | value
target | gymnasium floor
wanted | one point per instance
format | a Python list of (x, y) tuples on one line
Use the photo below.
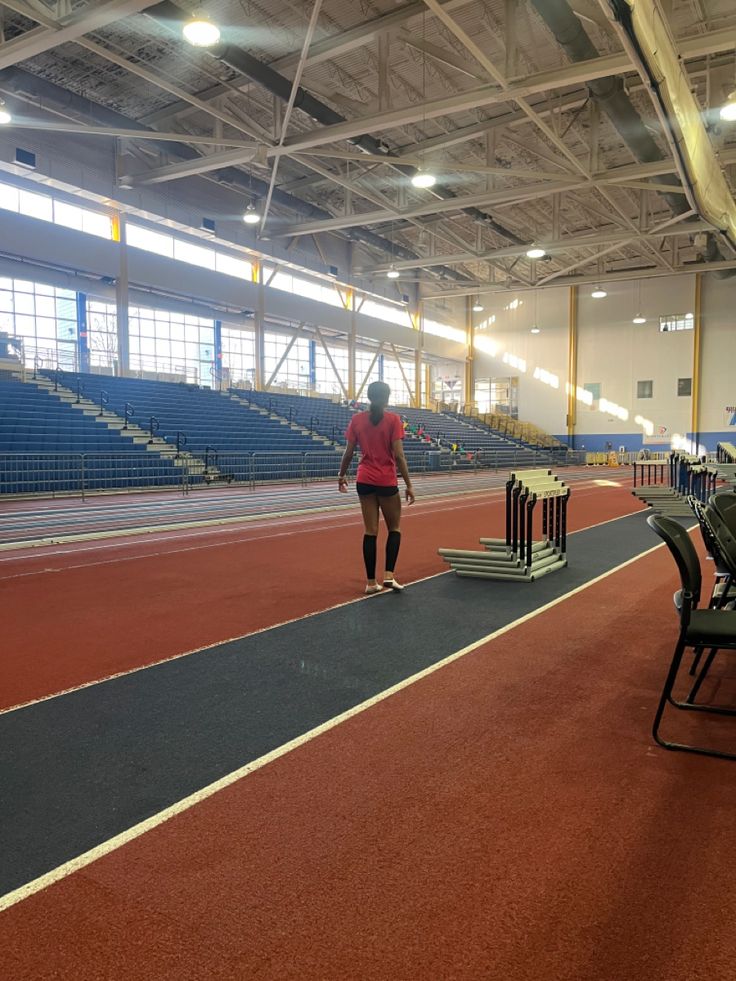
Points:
[(220, 763)]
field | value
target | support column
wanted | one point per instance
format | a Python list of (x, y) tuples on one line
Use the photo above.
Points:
[(258, 322), (572, 365), (217, 360), (415, 313), (82, 333), (351, 307), (697, 349), (121, 296), (313, 365), (352, 344), (469, 360)]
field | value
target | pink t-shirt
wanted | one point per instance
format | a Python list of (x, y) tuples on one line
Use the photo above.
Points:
[(378, 463)]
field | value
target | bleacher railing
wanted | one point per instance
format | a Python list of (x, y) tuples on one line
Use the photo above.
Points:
[(79, 475)]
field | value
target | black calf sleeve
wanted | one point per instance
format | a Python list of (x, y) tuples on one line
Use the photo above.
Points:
[(392, 549), (369, 555)]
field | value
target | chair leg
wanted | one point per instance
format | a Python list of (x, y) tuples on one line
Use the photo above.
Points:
[(701, 677), (696, 660), (667, 691)]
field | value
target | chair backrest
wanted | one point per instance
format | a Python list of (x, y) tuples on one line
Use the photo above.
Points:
[(680, 544), (724, 503), (706, 530), (724, 536)]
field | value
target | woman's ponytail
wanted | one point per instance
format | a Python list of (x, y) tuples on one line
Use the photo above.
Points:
[(378, 395)]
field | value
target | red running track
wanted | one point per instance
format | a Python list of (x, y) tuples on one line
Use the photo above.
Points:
[(507, 818), (85, 612)]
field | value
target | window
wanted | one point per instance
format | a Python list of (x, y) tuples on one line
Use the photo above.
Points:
[(143, 238), (44, 317), (238, 357), (676, 321), (644, 389), (325, 380), (401, 393), (47, 208), (444, 330), (195, 255), (384, 311), (684, 386), (102, 337), (164, 342), (294, 372), (363, 361)]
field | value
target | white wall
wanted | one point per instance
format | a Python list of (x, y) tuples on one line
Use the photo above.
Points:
[(718, 353), (616, 353)]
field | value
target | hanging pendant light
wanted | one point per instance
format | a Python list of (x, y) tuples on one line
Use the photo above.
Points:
[(201, 32)]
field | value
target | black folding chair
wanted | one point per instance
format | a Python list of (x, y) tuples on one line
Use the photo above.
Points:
[(711, 628), (724, 573)]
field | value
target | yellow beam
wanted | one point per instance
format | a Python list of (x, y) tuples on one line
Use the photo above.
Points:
[(572, 363)]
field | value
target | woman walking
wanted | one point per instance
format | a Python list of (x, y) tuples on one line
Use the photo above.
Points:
[(379, 435)]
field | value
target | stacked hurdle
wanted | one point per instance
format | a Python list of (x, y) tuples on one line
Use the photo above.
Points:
[(518, 556), (665, 485)]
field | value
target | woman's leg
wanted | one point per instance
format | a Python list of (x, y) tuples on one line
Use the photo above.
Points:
[(391, 508), (369, 507)]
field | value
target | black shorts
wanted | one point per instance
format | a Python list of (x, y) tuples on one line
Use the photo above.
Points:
[(365, 489)]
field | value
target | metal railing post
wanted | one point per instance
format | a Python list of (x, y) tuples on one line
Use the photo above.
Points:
[(104, 400), (82, 474)]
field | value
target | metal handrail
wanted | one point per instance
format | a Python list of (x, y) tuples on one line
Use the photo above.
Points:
[(153, 427), (80, 390), (181, 440), (104, 400), (210, 451), (128, 413)]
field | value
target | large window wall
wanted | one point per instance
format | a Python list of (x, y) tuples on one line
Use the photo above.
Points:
[(172, 344), (238, 357), (392, 375), (44, 317), (295, 371), (325, 380)]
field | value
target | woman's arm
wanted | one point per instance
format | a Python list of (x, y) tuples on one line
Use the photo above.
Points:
[(398, 447), (347, 459)]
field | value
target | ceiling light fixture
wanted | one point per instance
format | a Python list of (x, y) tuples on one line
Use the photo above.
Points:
[(5, 116), (251, 216), (534, 330), (424, 179), (728, 109), (201, 32), (477, 307), (598, 293), (638, 319), (393, 273), (535, 252)]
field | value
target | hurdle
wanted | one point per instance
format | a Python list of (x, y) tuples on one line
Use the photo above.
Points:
[(665, 485), (517, 556)]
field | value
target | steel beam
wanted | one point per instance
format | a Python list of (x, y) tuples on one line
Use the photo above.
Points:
[(53, 33), (190, 168)]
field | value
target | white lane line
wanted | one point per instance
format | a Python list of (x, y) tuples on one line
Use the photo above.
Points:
[(63, 538), (490, 497), (213, 646), (112, 844), (306, 529)]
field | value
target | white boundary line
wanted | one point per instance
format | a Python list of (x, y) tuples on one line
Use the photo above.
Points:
[(253, 633), (275, 523), (112, 844), (211, 522)]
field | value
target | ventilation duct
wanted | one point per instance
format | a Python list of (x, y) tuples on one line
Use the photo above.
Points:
[(648, 41), (610, 95), (241, 61)]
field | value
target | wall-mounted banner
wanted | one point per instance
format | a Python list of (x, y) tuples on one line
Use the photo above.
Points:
[(729, 415), (660, 437)]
